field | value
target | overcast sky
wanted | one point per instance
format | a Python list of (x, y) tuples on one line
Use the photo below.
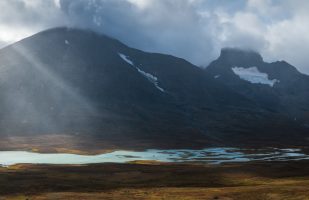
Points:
[(192, 29)]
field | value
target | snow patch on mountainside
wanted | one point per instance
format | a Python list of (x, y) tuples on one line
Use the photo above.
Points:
[(148, 76), (253, 75), (151, 78), (125, 58)]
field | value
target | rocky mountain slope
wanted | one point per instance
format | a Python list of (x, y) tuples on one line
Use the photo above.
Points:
[(276, 86), (78, 82)]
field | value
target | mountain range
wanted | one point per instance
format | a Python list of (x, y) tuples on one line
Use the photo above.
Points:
[(73, 81)]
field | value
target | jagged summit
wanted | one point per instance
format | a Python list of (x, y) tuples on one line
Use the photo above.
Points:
[(240, 56)]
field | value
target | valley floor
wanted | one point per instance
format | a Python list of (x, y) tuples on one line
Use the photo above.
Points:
[(149, 180)]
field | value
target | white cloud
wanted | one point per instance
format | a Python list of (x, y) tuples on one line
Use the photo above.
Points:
[(9, 34), (22, 18), (282, 28)]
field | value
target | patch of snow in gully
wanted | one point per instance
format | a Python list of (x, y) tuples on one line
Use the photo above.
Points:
[(126, 59), (253, 75), (150, 77)]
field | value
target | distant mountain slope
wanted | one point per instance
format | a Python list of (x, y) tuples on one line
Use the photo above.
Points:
[(276, 86), (78, 82)]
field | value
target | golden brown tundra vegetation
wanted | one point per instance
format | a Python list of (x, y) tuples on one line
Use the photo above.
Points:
[(157, 181)]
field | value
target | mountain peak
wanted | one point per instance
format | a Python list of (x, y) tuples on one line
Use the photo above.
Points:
[(238, 56)]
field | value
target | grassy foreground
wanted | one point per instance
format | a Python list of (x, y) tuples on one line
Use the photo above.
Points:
[(250, 181)]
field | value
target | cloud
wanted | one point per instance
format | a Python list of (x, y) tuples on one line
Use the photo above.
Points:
[(192, 29), (22, 18), (277, 29), (155, 25)]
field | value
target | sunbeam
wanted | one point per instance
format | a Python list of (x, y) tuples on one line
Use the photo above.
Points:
[(39, 99)]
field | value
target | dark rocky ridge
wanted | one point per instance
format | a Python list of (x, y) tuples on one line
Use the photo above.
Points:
[(289, 95)]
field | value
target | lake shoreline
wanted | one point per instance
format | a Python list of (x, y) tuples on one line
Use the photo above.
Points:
[(207, 155)]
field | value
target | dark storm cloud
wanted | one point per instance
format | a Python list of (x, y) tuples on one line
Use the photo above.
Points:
[(162, 26)]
